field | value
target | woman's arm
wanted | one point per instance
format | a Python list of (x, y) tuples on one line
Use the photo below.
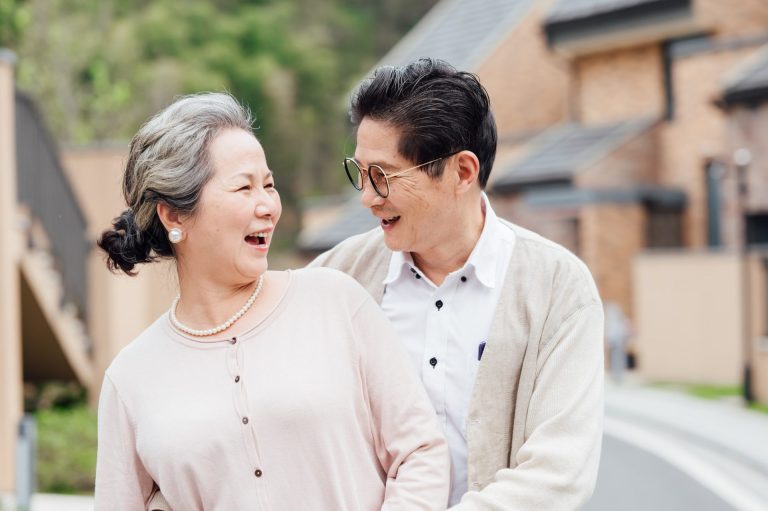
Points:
[(122, 482), (409, 441)]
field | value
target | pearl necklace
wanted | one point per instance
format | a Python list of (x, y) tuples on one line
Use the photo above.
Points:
[(228, 323)]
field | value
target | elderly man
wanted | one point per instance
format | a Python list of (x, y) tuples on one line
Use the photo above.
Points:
[(504, 327)]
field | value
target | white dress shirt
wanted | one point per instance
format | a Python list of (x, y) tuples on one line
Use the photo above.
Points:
[(444, 328)]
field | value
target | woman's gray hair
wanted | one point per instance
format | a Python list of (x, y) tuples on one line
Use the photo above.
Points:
[(169, 161)]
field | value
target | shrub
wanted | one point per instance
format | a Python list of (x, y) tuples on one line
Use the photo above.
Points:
[(66, 450)]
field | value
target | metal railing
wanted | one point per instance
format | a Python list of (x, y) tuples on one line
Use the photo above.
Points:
[(45, 190)]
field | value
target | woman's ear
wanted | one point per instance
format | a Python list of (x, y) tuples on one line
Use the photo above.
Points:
[(170, 218)]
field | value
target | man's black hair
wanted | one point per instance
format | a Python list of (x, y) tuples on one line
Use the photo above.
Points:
[(438, 110)]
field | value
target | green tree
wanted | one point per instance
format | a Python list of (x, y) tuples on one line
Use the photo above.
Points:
[(99, 68)]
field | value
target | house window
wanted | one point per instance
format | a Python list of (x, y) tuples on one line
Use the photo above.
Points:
[(757, 229), (665, 227), (714, 171)]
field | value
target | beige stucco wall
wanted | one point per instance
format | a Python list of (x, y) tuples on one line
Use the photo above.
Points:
[(11, 406), (758, 291), (120, 306), (688, 316)]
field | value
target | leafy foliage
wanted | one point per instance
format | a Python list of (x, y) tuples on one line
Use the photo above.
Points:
[(99, 68), (66, 450)]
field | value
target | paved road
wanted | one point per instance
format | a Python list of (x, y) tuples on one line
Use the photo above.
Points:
[(645, 466), (632, 479)]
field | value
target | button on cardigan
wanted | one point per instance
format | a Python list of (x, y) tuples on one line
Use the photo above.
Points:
[(317, 407)]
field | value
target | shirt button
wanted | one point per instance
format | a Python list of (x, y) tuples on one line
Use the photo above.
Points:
[(258, 472), (418, 276), (439, 304), (245, 420), (463, 278), (433, 362), (234, 340), (237, 378)]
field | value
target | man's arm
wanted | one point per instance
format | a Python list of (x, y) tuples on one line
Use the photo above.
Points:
[(557, 464)]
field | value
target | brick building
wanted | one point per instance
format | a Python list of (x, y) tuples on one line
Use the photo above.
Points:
[(608, 119)]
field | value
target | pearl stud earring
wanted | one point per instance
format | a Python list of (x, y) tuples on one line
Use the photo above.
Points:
[(174, 235)]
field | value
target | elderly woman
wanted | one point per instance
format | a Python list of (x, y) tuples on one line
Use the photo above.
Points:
[(258, 389)]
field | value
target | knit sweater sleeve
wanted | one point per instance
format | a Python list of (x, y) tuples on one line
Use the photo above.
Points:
[(122, 482), (408, 440), (556, 467)]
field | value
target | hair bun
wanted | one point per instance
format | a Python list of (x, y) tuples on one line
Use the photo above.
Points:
[(124, 244)]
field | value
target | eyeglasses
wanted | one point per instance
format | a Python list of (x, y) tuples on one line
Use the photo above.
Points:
[(376, 175)]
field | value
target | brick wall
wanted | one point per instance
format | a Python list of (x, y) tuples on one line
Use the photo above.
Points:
[(636, 161), (528, 84), (746, 128), (557, 224), (697, 132), (620, 84), (610, 236), (732, 17)]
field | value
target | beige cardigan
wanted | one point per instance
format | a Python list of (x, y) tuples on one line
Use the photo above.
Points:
[(534, 426)]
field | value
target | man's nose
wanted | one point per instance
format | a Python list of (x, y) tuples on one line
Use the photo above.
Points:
[(369, 197)]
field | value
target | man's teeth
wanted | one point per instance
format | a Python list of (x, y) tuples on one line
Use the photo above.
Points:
[(261, 237), (388, 221)]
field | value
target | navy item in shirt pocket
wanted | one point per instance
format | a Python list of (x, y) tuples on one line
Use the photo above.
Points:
[(480, 349)]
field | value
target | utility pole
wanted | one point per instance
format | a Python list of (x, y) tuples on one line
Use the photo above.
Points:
[(742, 158)]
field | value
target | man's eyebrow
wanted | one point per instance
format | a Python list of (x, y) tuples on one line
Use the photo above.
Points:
[(383, 165)]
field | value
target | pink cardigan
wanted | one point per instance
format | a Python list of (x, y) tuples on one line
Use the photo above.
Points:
[(315, 408)]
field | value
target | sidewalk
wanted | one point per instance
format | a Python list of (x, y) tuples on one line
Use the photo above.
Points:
[(722, 426), (50, 502)]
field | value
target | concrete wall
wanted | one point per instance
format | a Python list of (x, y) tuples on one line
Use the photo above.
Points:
[(688, 316), (11, 405)]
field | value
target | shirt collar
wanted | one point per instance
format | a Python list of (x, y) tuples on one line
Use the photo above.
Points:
[(484, 256), (482, 260), (398, 263)]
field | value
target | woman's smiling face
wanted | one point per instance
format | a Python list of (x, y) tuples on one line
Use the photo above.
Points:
[(229, 237)]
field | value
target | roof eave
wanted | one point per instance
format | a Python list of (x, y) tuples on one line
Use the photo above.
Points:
[(632, 25), (744, 97)]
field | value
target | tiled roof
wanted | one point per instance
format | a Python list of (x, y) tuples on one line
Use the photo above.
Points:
[(562, 151), (460, 32), (350, 218), (751, 84), (568, 10)]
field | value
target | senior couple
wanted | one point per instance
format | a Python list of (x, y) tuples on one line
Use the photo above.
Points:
[(455, 361)]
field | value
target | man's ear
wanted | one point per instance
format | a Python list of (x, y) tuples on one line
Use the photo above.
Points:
[(170, 217), (468, 170)]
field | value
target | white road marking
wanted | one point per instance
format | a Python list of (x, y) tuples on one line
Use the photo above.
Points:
[(673, 452)]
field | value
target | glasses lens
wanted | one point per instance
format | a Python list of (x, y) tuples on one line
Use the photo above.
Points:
[(354, 173), (379, 180)]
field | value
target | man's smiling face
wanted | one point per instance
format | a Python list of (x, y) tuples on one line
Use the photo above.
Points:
[(416, 216)]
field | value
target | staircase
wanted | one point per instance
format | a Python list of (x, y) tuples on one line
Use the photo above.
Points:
[(53, 262)]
